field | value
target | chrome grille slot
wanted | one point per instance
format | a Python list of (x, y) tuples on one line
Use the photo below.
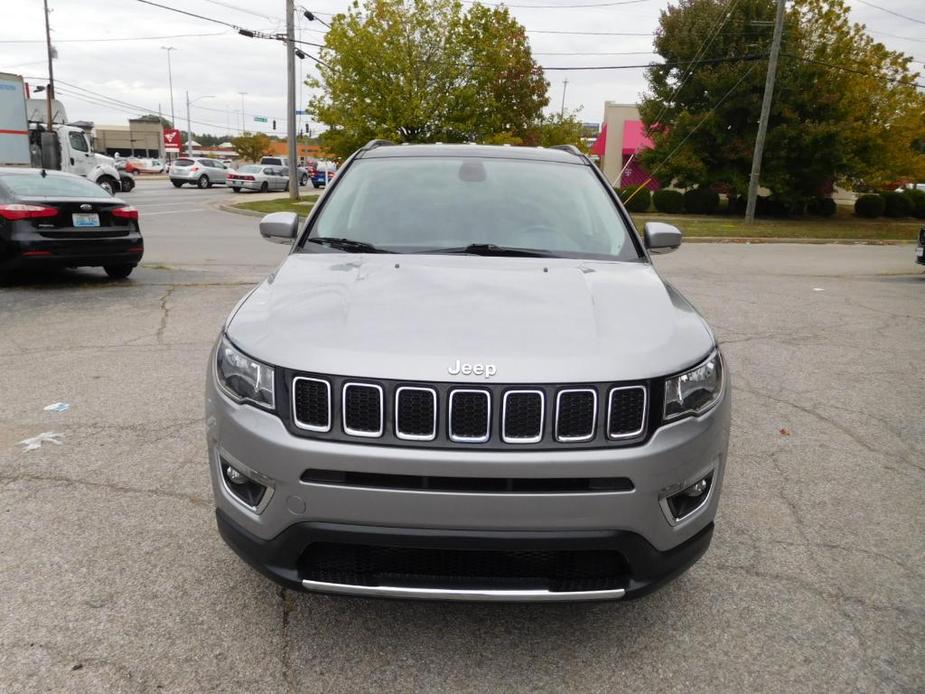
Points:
[(415, 413), (311, 403), (576, 414), (626, 412), (362, 407), (470, 416), (522, 416)]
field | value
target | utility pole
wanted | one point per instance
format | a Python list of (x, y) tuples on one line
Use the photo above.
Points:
[(564, 87), (50, 92), (765, 113), (243, 94), (290, 100), (189, 130), (173, 116)]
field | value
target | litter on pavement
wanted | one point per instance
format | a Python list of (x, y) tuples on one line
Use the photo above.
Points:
[(45, 437), (57, 407)]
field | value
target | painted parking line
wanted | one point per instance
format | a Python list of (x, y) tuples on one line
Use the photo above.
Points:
[(153, 214)]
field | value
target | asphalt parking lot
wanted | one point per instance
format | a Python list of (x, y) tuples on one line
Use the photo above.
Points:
[(115, 579)]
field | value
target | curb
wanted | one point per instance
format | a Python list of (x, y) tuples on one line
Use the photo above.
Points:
[(226, 207)]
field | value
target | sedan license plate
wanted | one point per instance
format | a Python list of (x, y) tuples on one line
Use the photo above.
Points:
[(86, 219)]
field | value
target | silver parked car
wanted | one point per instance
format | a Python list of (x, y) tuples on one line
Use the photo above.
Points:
[(257, 177), (199, 171), (457, 386)]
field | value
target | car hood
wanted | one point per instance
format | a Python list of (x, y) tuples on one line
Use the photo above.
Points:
[(412, 317)]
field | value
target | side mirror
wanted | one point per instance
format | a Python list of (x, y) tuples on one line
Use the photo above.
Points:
[(661, 238), (279, 227)]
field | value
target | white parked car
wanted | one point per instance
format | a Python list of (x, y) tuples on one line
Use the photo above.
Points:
[(259, 178)]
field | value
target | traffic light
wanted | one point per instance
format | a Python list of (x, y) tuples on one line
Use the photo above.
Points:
[(274, 124)]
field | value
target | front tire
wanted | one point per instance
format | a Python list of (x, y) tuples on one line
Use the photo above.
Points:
[(108, 184), (316, 185), (203, 182), (236, 190), (118, 272), (127, 185)]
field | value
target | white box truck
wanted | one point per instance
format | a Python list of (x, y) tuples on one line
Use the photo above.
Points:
[(26, 141)]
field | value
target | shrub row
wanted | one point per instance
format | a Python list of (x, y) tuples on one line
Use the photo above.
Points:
[(908, 203)]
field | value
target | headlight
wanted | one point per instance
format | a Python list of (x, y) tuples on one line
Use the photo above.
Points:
[(696, 390), (243, 378)]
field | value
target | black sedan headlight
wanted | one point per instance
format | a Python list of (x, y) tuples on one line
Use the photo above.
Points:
[(242, 378), (695, 391)]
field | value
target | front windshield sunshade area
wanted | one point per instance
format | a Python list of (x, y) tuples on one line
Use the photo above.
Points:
[(425, 204)]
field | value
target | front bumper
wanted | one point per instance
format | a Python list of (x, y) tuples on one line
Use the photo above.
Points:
[(294, 515)]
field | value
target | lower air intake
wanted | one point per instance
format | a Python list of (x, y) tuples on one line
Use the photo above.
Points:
[(556, 571)]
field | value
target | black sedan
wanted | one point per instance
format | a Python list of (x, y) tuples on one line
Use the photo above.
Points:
[(55, 219)]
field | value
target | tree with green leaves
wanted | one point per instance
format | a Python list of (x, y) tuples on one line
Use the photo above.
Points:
[(845, 109), (425, 71), (251, 146)]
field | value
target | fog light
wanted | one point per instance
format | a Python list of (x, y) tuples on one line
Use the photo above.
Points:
[(684, 503), (234, 476), (242, 487), (697, 488)]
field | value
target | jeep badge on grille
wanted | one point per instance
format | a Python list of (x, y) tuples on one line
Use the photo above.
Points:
[(467, 369)]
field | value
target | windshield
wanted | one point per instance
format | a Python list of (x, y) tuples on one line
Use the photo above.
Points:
[(34, 184), (184, 162), (429, 204)]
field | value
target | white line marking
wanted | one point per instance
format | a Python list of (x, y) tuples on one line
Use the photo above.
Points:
[(153, 214)]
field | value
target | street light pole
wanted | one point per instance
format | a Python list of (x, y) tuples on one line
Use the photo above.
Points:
[(243, 94), (173, 116), (189, 127), (765, 113), (290, 100)]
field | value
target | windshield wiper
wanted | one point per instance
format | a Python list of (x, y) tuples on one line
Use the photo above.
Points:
[(348, 245), (490, 249)]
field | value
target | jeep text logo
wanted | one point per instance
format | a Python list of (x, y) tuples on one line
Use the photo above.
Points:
[(466, 369)]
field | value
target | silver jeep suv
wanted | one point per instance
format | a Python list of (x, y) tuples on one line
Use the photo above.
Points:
[(467, 381)]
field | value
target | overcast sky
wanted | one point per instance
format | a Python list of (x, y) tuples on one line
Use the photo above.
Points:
[(212, 60)]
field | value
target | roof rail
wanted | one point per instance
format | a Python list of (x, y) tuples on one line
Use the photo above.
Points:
[(571, 149), (372, 144)]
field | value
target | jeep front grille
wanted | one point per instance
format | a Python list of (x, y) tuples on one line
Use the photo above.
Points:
[(626, 413), (522, 416), (415, 413), (456, 415), (470, 415), (576, 414), (362, 409), (311, 403)]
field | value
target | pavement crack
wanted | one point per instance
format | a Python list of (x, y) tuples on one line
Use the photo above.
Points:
[(286, 646), (107, 486), (165, 313)]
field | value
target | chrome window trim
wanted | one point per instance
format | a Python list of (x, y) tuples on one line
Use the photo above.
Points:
[(469, 439), (295, 417), (343, 411), (416, 437), (576, 439), (645, 412), (530, 439)]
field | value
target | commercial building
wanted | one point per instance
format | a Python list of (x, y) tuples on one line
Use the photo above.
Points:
[(140, 138), (622, 138)]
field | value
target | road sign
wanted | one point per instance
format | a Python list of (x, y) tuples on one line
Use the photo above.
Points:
[(171, 140), (260, 119)]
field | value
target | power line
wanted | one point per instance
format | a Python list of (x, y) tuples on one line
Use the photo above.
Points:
[(586, 33), (736, 59), (892, 12), (895, 36), (897, 80), (229, 6), (187, 13), (124, 38)]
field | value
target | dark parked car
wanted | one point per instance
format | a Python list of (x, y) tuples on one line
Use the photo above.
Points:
[(51, 218)]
